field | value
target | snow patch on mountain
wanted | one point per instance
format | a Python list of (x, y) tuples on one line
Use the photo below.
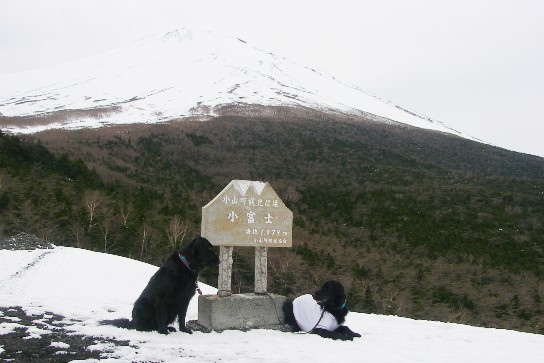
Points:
[(179, 75)]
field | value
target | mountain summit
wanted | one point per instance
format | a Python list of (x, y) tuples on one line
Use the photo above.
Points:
[(178, 75)]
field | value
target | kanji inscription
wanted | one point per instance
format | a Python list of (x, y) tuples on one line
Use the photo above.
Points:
[(247, 213)]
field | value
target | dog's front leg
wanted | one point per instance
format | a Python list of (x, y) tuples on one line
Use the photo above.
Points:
[(162, 320), (181, 317)]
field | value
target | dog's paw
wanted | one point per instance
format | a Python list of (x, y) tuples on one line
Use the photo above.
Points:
[(331, 334), (345, 337), (185, 330), (171, 329), (347, 331)]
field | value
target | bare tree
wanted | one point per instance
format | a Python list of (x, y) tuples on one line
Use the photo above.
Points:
[(281, 266), (105, 229), (539, 325), (281, 269), (77, 230), (318, 275), (175, 230), (125, 212), (292, 194), (145, 236), (459, 316), (92, 201)]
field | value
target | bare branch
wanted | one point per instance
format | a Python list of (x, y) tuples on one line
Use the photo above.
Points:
[(125, 212), (105, 228), (145, 236), (78, 231), (318, 275), (92, 201), (175, 230)]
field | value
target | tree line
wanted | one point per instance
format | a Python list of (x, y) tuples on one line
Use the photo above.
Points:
[(413, 223)]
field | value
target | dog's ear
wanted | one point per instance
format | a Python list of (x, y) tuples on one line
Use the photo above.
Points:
[(331, 295), (202, 246), (191, 249), (193, 245), (209, 256)]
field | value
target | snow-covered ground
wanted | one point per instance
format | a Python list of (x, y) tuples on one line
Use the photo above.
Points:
[(87, 287), (180, 74)]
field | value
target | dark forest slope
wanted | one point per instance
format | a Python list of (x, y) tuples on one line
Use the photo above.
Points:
[(414, 223)]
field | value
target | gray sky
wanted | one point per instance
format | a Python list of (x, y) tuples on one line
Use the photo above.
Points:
[(476, 65)]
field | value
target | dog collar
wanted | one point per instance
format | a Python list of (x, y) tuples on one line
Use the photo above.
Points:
[(186, 263), (184, 260)]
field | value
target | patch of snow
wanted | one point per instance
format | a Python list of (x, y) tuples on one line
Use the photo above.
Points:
[(87, 287), (166, 77), (6, 328), (35, 333), (59, 345)]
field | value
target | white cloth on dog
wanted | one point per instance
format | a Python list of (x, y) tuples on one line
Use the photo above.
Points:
[(307, 313)]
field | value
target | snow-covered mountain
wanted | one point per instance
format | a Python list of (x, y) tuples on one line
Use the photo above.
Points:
[(181, 74), (86, 287)]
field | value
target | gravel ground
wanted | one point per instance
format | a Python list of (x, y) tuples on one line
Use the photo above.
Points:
[(44, 339)]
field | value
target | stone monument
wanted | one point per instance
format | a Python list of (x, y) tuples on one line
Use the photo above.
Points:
[(245, 214)]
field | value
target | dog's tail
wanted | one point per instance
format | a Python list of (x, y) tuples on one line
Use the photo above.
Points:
[(120, 323)]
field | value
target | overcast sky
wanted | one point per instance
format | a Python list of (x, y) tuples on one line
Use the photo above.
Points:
[(475, 65)]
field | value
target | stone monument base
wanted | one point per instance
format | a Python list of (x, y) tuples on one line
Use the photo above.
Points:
[(241, 312)]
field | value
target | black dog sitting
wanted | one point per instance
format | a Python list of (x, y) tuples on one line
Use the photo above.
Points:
[(321, 313), (170, 290)]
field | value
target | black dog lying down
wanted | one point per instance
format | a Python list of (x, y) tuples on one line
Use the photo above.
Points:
[(321, 313), (170, 289)]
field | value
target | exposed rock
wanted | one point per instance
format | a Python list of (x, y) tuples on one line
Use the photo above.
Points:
[(24, 241)]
